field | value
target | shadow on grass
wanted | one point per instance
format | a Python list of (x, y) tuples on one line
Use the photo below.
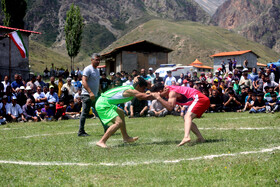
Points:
[(169, 142)]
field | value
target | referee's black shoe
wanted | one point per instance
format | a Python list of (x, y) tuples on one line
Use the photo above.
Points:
[(83, 134)]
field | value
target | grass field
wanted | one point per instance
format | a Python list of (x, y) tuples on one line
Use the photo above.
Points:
[(241, 150)]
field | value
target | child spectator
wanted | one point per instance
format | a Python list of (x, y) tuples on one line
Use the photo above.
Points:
[(231, 102), (216, 102), (60, 110), (259, 104), (272, 105), (71, 111), (249, 101), (236, 86), (47, 113), (138, 108)]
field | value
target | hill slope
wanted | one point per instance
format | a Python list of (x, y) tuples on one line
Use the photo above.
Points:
[(191, 40)]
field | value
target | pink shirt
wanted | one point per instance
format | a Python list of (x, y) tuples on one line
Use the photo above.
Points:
[(190, 93)]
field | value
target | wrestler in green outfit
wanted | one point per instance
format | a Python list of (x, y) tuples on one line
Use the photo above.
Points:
[(109, 112)]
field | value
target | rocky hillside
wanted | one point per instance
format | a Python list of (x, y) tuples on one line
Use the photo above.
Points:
[(191, 40), (210, 6), (105, 20), (258, 20)]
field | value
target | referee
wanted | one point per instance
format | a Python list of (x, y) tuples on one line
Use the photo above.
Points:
[(90, 82)]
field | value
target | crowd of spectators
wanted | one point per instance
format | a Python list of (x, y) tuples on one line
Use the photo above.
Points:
[(60, 98)]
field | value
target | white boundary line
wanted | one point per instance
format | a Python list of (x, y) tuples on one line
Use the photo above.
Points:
[(30, 163)]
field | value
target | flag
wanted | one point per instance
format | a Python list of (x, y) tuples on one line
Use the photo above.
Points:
[(17, 39)]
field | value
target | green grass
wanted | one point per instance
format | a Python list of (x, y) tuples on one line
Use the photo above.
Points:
[(142, 163)]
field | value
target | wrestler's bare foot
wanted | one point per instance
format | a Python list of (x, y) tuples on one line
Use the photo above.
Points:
[(130, 139), (200, 140), (184, 141), (101, 144)]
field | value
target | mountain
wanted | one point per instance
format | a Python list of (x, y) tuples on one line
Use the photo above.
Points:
[(105, 20), (257, 20), (210, 6), (191, 40)]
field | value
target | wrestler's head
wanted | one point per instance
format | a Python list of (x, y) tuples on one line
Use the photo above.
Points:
[(140, 84), (159, 87)]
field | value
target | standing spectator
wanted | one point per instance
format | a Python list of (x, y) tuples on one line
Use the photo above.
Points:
[(52, 70), (230, 64), (59, 84), (138, 108), (39, 82), (46, 73), (234, 63), (270, 74), (90, 82), (245, 82), (134, 73), (210, 78), (29, 111), (181, 79), (151, 75), (158, 79), (104, 83), (145, 76), (78, 72), (169, 79), (6, 82), (245, 63), (223, 64), (40, 98), (259, 104), (16, 83), (15, 112)]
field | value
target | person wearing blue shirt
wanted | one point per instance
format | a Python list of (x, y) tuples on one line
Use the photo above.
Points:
[(17, 83)]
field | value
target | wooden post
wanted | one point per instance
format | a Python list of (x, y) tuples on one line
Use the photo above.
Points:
[(10, 60)]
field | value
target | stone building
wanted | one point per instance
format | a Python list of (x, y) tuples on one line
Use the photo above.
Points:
[(137, 55), (11, 61), (240, 57)]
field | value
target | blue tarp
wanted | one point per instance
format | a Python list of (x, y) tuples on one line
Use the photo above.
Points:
[(275, 63)]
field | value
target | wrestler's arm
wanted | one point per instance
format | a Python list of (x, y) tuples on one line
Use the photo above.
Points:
[(139, 95), (170, 104)]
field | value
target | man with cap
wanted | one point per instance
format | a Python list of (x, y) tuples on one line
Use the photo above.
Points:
[(15, 112), (228, 78), (52, 98), (158, 78), (91, 85), (151, 74), (169, 79)]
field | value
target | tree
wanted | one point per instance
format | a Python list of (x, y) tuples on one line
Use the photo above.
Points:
[(73, 32), (14, 12)]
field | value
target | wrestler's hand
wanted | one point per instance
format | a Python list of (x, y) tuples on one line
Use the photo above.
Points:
[(92, 96), (156, 95)]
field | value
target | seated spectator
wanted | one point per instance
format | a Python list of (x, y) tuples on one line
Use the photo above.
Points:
[(216, 102), (272, 105), (52, 98), (70, 88), (236, 86), (138, 108), (118, 82), (129, 81), (269, 91), (31, 84), (158, 78), (259, 104), (76, 83), (17, 83), (245, 81), (39, 114), (127, 108), (2, 113), (270, 83), (47, 113), (14, 112), (71, 111), (29, 94), (184, 110), (169, 79), (157, 109), (39, 82), (78, 94), (231, 102), (259, 82), (29, 111), (60, 112), (104, 83), (249, 101), (39, 97), (52, 83), (9, 93), (6, 83), (215, 84)]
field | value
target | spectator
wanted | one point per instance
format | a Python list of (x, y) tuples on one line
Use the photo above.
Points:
[(151, 75), (223, 64), (52, 83), (14, 112), (5, 83), (245, 82), (234, 63), (230, 64), (72, 112), (47, 113), (52, 70), (39, 82), (45, 89), (210, 78), (169, 79), (245, 63), (78, 95), (46, 73), (29, 111), (40, 98), (181, 79), (129, 81), (104, 83), (52, 98), (70, 88), (270, 74), (78, 72), (259, 82), (249, 101), (60, 112), (231, 102), (112, 79), (254, 75), (78, 103), (9, 93), (195, 77), (273, 105), (145, 76), (134, 73), (158, 78), (269, 83), (2, 113), (59, 84), (157, 109), (31, 84), (138, 108), (269, 91), (76, 83), (16, 83), (127, 108), (216, 102), (29, 94), (259, 104)]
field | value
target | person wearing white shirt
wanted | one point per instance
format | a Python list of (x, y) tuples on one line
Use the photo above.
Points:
[(6, 82), (129, 81), (69, 87), (15, 111), (169, 79), (40, 97)]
